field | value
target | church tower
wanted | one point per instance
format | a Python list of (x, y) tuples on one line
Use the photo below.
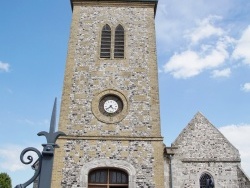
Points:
[(110, 102)]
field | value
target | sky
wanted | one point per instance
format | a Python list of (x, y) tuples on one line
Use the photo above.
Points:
[(203, 62)]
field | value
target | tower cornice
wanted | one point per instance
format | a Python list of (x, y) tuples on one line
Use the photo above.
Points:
[(154, 2)]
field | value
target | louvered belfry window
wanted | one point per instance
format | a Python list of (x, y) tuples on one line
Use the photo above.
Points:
[(119, 42), (106, 42)]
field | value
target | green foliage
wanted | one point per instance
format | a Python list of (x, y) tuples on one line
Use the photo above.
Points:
[(5, 180)]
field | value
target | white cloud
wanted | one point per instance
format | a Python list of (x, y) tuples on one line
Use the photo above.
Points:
[(204, 54), (221, 73), (187, 33), (243, 47), (10, 158), (246, 87), (205, 29), (26, 121), (191, 63), (9, 90), (4, 67), (238, 135), (174, 18)]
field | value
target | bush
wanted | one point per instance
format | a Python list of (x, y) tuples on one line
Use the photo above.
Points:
[(5, 180)]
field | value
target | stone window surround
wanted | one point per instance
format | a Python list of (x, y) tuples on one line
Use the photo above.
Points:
[(107, 163)]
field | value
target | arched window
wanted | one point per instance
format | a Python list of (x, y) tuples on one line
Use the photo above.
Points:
[(119, 42), (106, 42), (206, 181), (108, 178), (112, 164)]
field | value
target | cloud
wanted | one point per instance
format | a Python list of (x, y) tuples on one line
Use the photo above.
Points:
[(10, 161), (160, 70), (191, 63), (4, 67), (174, 18), (238, 135), (30, 122), (184, 33), (9, 90), (10, 157), (209, 50), (205, 30), (221, 73), (242, 47), (246, 87)]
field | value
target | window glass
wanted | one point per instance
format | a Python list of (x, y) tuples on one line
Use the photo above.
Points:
[(108, 178), (106, 42), (99, 176), (119, 42), (206, 181)]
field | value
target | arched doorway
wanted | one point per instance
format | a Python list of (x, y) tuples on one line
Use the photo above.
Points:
[(206, 181), (107, 178)]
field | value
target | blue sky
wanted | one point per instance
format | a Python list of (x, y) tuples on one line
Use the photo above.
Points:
[(203, 61)]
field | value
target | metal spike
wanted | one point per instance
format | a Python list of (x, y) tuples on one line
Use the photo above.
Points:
[(53, 118)]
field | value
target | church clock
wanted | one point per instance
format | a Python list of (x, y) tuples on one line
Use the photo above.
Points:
[(110, 105)]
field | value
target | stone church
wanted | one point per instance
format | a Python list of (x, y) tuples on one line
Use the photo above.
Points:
[(110, 110)]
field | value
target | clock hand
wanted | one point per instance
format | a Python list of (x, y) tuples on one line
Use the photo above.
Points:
[(109, 107)]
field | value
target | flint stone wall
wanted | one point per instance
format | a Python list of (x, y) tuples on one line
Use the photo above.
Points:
[(203, 149), (137, 154), (135, 76)]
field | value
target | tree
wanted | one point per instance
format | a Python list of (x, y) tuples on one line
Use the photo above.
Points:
[(5, 180)]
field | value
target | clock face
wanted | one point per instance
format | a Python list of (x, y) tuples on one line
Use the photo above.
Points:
[(110, 105)]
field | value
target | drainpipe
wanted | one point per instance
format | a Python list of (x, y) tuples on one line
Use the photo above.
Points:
[(169, 152), (170, 171)]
